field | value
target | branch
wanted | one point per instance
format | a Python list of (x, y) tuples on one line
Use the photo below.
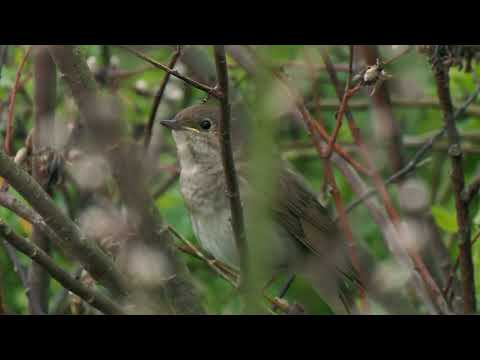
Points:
[(129, 175), (68, 235), (312, 126), (333, 104), (44, 107), (209, 90), (11, 106), (419, 155), (347, 94), (97, 300), (22, 275), (458, 186), (231, 181), (382, 108), (409, 168), (472, 190), (159, 96), (315, 133), (419, 266)]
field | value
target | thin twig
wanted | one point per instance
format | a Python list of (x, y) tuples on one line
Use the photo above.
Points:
[(410, 167), (231, 180), (21, 271), (346, 96), (227, 273), (419, 155), (364, 104), (44, 96), (458, 186), (209, 90), (11, 106), (159, 96), (3, 57), (213, 264), (313, 127), (454, 269), (472, 190), (419, 265), (95, 299)]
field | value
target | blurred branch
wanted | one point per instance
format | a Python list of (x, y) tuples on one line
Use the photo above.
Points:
[(312, 126), (472, 190), (227, 273), (68, 234), (3, 57), (21, 271), (128, 172), (43, 131), (347, 94), (231, 180), (209, 90), (382, 108), (454, 269), (365, 104), (93, 298), (297, 100), (166, 185), (419, 266), (458, 185), (409, 168), (159, 96), (11, 106)]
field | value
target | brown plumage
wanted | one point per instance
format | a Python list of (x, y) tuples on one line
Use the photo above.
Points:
[(307, 241)]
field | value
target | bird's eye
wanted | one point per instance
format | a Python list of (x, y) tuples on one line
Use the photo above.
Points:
[(205, 124)]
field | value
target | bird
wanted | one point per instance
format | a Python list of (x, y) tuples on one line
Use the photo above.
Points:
[(306, 241)]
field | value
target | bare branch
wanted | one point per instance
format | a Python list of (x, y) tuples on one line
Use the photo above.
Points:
[(97, 263), (159, 96), (458, 185), (93, 298), (129, 175), (44, 102), (209, 90), (231, 181), (419, 266)]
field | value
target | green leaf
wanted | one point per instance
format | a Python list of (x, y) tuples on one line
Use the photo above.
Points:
[(445, 219)]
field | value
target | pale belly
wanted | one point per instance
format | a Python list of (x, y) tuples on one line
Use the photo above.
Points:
[(215, 235)]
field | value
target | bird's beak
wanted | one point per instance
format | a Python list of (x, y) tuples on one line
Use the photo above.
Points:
[(171, 124)]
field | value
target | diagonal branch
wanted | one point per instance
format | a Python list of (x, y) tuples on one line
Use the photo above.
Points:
[(97, 300), (209, 90), (158, 97), (177, 290), (69, 237), (419, 266), (44, 102)]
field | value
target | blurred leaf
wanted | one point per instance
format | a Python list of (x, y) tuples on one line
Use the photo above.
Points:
[(445, 219)]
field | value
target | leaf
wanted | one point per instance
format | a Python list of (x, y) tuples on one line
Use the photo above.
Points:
[(445, 219)]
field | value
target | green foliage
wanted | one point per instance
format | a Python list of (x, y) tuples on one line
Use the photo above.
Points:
[(219, 296)]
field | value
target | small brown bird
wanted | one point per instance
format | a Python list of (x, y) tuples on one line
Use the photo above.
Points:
[(306, 240)]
